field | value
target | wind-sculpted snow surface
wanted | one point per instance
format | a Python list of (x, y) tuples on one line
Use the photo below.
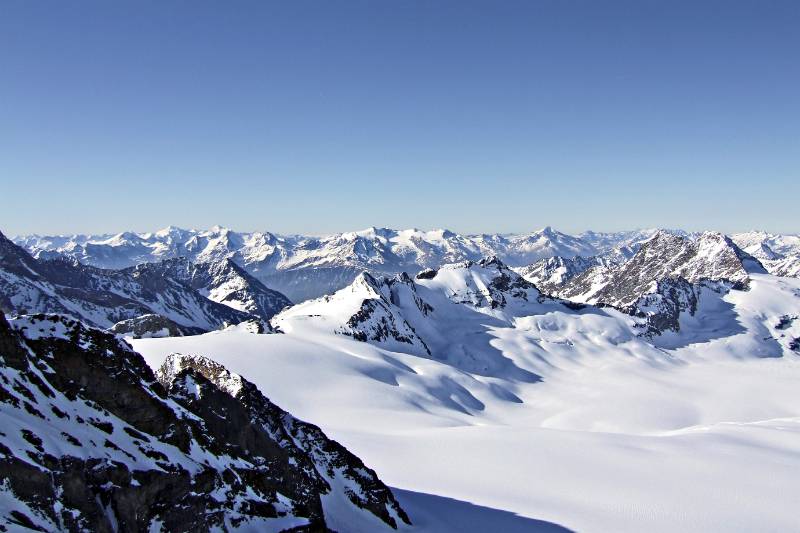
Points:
[(90, 441)]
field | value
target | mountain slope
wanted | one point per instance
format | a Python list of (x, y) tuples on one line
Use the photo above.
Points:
[(553, 272), (225, 282), (678, 420), (666, 277), (443, 314), (103, 297), (91, 441)]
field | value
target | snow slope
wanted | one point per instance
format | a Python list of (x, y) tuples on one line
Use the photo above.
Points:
[(527, 409)]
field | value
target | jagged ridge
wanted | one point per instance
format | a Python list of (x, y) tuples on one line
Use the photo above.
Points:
[(90, 440)]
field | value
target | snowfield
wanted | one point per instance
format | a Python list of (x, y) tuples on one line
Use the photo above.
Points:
[(581, 424)]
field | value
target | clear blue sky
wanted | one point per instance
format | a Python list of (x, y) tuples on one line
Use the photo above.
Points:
[(325, 116)]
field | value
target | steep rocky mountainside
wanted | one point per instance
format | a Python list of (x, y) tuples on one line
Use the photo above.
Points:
[(711, 257), (307, 267), (181, 293), (443, 314), (90, 440), (225, 282), (151, 326), (663, 279)]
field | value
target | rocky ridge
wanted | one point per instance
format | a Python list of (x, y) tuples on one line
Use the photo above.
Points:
[(663, 279), (175, 290), (91, 440)]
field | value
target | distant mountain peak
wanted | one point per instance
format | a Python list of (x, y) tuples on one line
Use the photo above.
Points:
[(304, 267)]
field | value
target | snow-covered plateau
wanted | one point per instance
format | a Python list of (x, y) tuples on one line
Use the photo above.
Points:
[(640, 381)]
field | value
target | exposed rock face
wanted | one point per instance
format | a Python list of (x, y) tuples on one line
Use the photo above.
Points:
[(103, 298), (227, 283), (428, 273), (712, 257), (91, 441), (662, 280), (327, 461), (662, 308), (149, 326), (379, 318)]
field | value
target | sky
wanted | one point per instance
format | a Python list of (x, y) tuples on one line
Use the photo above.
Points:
[(318, 117)]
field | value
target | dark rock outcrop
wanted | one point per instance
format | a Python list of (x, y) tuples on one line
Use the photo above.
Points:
[(91, 441), (151, 325)]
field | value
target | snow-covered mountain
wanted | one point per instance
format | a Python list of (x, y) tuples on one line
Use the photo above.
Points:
[(665, 277), (552, 273), (92, 441), (780, 254), (466, 382), (672, 368), (223, 281), (711, 256), (666, 283), (307, 267), (192, 297), (445, 314)]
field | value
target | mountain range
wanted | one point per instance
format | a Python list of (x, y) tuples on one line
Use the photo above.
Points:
[(187, 297), (305, 267), (173, 281), (131, 377), (446, 313)]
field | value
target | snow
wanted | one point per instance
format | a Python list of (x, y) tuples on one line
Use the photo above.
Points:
[(500, 409), (695, 432), (279, 260)]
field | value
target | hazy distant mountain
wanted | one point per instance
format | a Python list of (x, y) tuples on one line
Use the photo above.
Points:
[(307, 267), (780, 254)]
